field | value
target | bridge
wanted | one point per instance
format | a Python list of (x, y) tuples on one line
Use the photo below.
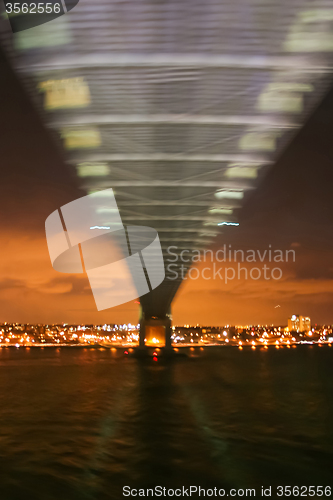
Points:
[(179, 106)]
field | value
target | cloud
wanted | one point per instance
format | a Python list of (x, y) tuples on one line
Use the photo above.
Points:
[(248, 301), (32, 291)]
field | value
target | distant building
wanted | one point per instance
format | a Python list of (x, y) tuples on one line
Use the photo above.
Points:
[(299, 323)]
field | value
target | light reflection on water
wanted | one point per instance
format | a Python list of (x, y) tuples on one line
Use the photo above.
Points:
[(81, 423)]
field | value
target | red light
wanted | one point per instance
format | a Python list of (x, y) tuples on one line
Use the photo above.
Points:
[(154, 353), (126, 352), (155, 358)]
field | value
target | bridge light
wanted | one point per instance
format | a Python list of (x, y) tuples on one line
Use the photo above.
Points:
[(225, 211), (228, 224), (242, 172), (264, 141), (229, 194), (65, 93), (81, 138), (92, 170)]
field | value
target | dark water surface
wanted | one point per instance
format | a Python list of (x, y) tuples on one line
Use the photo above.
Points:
[(81, 423)]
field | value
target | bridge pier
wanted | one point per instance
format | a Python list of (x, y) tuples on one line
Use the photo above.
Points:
[(155, 331)]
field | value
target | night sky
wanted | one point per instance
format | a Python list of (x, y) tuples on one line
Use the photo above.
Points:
[(292, 208)]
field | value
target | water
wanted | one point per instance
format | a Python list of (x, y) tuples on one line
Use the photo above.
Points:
[(80, 423)]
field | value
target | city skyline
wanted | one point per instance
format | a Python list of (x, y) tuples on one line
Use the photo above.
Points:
[(127, 335)]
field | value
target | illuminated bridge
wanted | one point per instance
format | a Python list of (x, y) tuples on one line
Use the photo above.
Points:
[(178, 105)]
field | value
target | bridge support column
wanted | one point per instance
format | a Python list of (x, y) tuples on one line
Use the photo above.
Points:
[(155, 331)]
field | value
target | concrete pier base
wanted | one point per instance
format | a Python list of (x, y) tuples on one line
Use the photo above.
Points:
[(155, 332)]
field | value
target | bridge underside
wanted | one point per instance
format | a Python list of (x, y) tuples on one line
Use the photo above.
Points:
[(180, 107)]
